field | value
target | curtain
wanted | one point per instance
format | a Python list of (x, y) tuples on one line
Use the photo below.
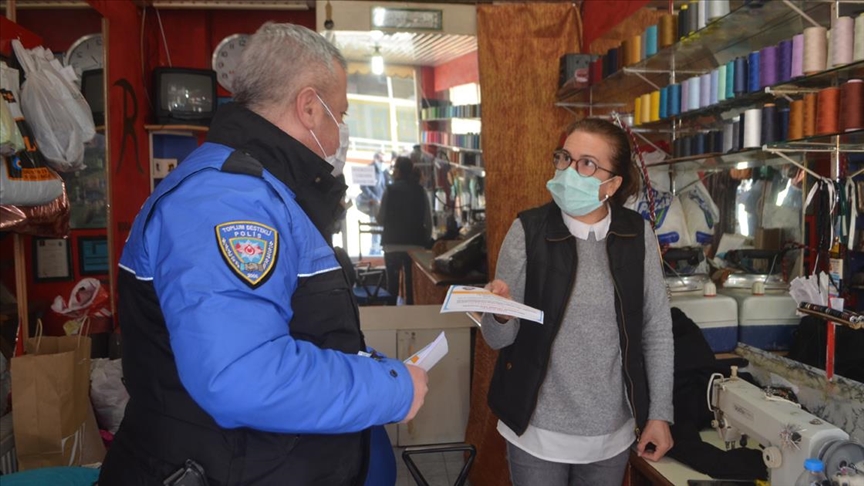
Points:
[(519, 45)]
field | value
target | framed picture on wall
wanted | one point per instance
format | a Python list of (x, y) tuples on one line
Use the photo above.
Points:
[(93, 255), (52, 260)]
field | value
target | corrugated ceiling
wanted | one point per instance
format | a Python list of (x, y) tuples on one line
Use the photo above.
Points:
[(407, 48)]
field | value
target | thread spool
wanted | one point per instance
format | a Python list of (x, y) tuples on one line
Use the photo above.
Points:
[(625, 54), (686, 146), (644, 36), (694, 93), (796, 120), (683, 22), (666, 31), (635, 49), (852, 101), (758, 287), (637, 111), (842, 34), (698, 144), (752, 128), (783, 124), (654, 100), (738, 136), (651, 38), (664, 102), (769, 124), (784, 61), (768, 66), (694, 16), (646, 108), (613, 56), (701, 14), (709, 289), (753, 73), (674, 99), (830, 54), (815, 49), (858, 50), (730, 79), (728, 136), (797, 56), (809, 114), (714, 81), (716, 9), (676, 148), (705, 90), (828, 111), (595, 74), (740, 86)]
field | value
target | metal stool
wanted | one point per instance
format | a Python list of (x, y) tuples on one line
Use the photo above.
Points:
[(415, 473)]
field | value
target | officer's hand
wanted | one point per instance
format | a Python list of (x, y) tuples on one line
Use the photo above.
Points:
[(421, 381), (501, 289)]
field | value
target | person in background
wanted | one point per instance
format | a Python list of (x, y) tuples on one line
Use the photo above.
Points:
[(573, 394), (242, 350), (407, 223), (369, 199)]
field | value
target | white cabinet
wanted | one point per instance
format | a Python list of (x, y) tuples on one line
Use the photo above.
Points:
[(400, 332)]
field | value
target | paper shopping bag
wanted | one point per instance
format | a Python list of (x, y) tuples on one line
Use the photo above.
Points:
[(50, 402)]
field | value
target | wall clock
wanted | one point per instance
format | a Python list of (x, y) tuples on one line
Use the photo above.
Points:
[(86, 53), (226, 56)]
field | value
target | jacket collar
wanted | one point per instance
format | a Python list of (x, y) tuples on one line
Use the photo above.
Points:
[(306, 174)]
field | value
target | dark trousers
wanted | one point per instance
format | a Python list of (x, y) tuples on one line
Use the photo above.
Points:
[(396, 261)]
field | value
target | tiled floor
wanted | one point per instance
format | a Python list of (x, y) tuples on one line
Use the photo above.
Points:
[(439, 469)]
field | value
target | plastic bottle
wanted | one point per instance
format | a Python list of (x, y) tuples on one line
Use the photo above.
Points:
[(813, 474)]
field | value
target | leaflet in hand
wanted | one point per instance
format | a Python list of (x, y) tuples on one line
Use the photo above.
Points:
[(429, 356), (461, 298)]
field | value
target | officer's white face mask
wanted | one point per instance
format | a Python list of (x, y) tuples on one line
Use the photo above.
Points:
[(337, 160)]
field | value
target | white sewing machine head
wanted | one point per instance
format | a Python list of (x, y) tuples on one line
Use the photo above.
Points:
[(788, 434)]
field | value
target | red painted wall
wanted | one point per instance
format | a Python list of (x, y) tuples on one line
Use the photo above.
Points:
[(459, 71), (60, 28), (191, 35)]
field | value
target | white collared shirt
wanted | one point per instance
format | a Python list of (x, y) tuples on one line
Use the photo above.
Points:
[(582, 230)]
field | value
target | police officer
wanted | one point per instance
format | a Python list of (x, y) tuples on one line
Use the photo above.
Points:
[(242, 349)]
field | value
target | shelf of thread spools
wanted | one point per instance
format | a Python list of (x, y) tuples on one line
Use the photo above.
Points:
[(693, 104), (449, 112), (673, 52), (467, 142)]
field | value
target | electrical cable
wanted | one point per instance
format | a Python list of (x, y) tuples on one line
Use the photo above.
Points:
[(164, 40)]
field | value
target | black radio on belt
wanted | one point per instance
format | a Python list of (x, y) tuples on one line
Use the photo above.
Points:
[(191, 474)]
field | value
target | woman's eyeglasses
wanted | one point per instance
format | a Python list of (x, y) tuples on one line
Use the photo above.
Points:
[(562, 159)]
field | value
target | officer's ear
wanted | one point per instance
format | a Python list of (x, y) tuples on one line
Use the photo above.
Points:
[(307, 106)]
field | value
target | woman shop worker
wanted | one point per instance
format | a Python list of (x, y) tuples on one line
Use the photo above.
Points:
[(574, 393)]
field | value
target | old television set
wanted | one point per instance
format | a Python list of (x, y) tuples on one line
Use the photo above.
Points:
[(184, 95), (93, 90)]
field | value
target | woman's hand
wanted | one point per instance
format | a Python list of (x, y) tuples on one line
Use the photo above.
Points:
[(656, 432), (500, 288)]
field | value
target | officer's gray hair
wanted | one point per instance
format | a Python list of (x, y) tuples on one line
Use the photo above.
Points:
[(281, 59)]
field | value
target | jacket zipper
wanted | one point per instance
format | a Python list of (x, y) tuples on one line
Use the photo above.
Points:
[(558, 324), (626, 346)]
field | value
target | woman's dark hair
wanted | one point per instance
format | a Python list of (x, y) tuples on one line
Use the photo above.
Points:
[(402, 168), (622, 163)]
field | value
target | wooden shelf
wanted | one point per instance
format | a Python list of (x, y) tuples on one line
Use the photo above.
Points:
[(176, 128)]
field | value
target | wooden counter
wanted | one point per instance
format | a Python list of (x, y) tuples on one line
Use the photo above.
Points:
[(430, 287)]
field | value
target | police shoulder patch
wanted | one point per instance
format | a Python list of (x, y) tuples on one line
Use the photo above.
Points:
[(249, 248)]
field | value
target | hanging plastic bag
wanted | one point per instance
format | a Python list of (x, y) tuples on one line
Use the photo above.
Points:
[(700, 212), (671, 224), (59, 115), (10, 137), (107, 393)]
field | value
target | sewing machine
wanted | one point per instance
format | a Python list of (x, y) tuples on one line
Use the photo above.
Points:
[(788, 434)]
